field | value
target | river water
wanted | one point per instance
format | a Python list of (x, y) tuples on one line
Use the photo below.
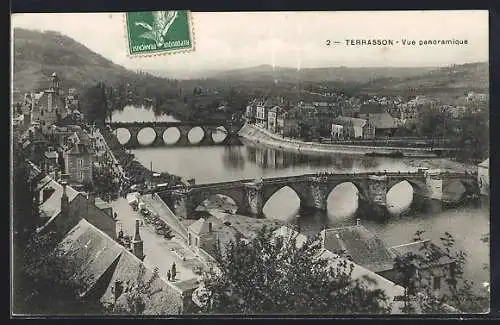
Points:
[(468, 224)]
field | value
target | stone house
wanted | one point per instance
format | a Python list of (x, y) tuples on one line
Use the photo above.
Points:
[(61, 207), (79, 160), (356, 128), (287, 124), (483, 177), (433, 270), (384, 123)]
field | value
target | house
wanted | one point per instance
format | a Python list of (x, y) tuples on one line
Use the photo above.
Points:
[(79, 160), (272, 120), (337, 131), (251, 112), (50, 160), (384, 123), (287, 124), (356, 128), (261, 117), (61, 207), (359, 245), (108, 272), (49, 106), (483, 177), (433, 269)]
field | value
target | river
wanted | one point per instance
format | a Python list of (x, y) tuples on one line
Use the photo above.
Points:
[(468, 224)]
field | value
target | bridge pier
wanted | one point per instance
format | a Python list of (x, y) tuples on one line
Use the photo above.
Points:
[(254, 199), (133, 142)]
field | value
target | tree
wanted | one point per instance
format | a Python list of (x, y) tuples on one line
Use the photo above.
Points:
[(458, 291), (271, 275), (47, 282), (134, 300)]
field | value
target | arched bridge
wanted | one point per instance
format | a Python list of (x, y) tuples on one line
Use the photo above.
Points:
[(178, 133), (251, 195)]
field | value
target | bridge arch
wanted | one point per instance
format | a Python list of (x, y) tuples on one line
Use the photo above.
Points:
[(454, 190), (146, 136), (219, 134), (236, 195), (171, 135), (281, 201), (219, 202), (400, 195), (123, 135), (343, 200), (196, 135)]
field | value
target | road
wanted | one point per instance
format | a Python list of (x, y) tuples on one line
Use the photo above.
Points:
[(160, 252)]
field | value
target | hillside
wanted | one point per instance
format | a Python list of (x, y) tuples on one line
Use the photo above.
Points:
[(452, 80), (339, 74), (38, 54)]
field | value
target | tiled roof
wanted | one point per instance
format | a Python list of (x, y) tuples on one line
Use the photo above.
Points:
[(361, 245), (359, 122), (382, 120), (423, 248), (165, 298), (94, 252), (391, 289), (51, 207), (97, 253)]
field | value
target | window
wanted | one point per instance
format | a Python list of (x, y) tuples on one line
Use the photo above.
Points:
[(82, 175), (436, 283), (80, 163), (195, 241)]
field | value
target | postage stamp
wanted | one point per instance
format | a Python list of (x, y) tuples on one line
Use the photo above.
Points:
[(155, 32)]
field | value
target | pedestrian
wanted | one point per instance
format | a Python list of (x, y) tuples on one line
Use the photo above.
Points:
[(174, 271), (168, 275)]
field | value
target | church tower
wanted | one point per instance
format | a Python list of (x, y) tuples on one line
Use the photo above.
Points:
[(55, 83)]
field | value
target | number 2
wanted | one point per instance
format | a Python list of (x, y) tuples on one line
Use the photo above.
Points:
[(328, 42)]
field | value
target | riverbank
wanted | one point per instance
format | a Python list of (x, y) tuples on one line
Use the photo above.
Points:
[(258, 135)]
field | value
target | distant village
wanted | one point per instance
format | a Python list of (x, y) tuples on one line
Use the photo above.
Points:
[(339, 117)]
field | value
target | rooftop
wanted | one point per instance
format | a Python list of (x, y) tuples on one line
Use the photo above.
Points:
[(485, 163), (358, 122), (382, 120), (363, 247), (432, 254)]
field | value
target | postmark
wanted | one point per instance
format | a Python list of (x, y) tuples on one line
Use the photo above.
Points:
[(159, 32)]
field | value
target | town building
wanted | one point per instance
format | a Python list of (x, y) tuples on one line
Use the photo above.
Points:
[(358, 244), (261, 117), (432, 268), (49, 106), (483, 177), (385, 125), (61, 206), (356, 128), (287, 124), (251, 112), (337, 132), (79, 158)]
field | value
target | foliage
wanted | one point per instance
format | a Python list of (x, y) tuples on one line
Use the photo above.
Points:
[(270, 275), (46, 281), (134, 300), (415, 273), (106, 183)]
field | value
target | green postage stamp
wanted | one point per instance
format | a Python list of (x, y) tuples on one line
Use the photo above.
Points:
[(159, 32)]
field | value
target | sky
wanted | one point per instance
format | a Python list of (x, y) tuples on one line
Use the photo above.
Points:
[(232, 40)]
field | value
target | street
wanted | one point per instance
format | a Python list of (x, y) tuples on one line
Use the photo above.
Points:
[(160, 252)]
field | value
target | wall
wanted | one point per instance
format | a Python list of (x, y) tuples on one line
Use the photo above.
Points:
[(83, 208), (74, 169)]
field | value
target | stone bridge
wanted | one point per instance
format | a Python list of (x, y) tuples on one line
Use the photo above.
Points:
[(251, 195), (183, 129)]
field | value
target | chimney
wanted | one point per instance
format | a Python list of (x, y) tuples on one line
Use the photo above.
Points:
[(137, 243), (64, 200), (209, 227)]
